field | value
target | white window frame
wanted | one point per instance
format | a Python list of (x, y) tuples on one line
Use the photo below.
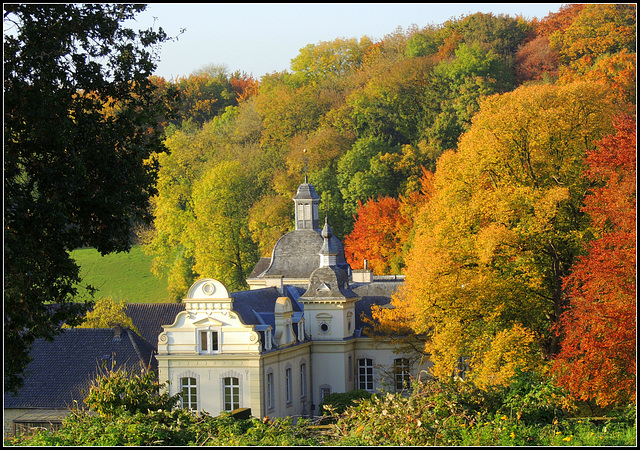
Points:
[(270, 392), (288, 383), (267, 338), (191, 386), (301, 330), (401, 374), (230, 391), (208, 334), (365, 374), (303, 380)]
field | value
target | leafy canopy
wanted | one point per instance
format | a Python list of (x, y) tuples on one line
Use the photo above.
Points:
[(597, 359), (80, 119)]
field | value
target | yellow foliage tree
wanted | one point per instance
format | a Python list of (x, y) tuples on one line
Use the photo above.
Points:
[(108, 312), (503, 226)]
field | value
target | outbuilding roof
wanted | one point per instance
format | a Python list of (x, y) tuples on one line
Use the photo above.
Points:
[(62, 370)]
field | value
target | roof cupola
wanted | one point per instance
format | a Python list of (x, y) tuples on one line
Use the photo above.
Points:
[(307, 203)]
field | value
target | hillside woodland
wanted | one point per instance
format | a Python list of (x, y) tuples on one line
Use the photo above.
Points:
[(490, 159)]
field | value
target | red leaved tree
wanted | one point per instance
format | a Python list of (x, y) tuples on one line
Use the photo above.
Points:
[(383, 229), (598, 356), (377, 236)]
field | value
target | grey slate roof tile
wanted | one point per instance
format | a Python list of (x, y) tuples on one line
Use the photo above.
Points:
[(62, 370), (150, 317)]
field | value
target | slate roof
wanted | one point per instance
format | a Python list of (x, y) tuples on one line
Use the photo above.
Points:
[(257, 306), (150, 317), (376, 293), (261, 266), (306, 191), (61, 370), (328, 282), (296, 254)]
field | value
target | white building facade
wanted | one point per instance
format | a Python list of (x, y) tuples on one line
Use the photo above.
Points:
[(280, 349)]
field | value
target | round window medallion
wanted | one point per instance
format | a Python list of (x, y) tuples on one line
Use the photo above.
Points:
[(324, 327), (208, 288)]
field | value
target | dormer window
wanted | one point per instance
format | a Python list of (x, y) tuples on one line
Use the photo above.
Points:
[(209, 341), (267, 339), (301, 330)]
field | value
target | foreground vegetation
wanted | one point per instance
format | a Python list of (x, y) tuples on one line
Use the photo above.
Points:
[(529, 411)]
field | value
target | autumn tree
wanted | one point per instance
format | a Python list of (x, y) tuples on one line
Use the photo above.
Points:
[(375, 237), (218, 237), (597, 31), (598, 351), (185, 193), (502, 230), (74, 176), (108, 312)]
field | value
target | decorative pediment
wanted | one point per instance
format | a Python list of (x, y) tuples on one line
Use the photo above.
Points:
[(208, 321), (207, 289)]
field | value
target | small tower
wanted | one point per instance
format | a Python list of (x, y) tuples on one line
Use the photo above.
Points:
[(329, 302), (307, 207), (329, 249)]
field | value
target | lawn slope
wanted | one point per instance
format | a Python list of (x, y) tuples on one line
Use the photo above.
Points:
[(121, 275)]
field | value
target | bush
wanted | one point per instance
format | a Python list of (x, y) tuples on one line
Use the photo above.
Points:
[(337, 402), (119, 391)]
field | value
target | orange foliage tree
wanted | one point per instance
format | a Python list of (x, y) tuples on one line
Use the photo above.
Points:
[(375, 236), (598, 355), (383, 228)]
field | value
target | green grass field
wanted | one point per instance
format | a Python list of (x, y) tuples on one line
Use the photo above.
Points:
[(121, 275)]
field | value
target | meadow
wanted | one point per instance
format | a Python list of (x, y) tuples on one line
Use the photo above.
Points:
[(124, 275)]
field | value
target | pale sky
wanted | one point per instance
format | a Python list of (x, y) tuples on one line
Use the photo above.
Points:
[(260, 38)]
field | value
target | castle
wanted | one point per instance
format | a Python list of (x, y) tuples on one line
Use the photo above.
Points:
[(294, 338), (279, 348)]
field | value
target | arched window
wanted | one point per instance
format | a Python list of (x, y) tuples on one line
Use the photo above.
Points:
[(270, 392), (231, 391), (188, 394), (303, 380), (288, 380)]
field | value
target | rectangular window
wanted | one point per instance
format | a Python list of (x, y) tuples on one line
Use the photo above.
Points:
[(401, 373), (189, 394), (324, 392), (231, 388), (204, 341), (365, 374), (350, 367), (303, 380), (288, 383), (208, 341), (270, 393)]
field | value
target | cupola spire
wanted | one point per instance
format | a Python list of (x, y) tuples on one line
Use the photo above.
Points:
[(307, 203)]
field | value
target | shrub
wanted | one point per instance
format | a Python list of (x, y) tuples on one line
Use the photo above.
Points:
[(338, 402), (118, 391)]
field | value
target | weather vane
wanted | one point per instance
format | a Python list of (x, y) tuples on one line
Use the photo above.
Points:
[(305, 164)]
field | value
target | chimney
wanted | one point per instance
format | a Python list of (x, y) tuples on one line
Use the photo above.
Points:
[(117, 332)]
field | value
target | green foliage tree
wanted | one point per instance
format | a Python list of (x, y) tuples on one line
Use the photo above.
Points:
[(75, 171), (219, 236), (328, 59), (120, 391)]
